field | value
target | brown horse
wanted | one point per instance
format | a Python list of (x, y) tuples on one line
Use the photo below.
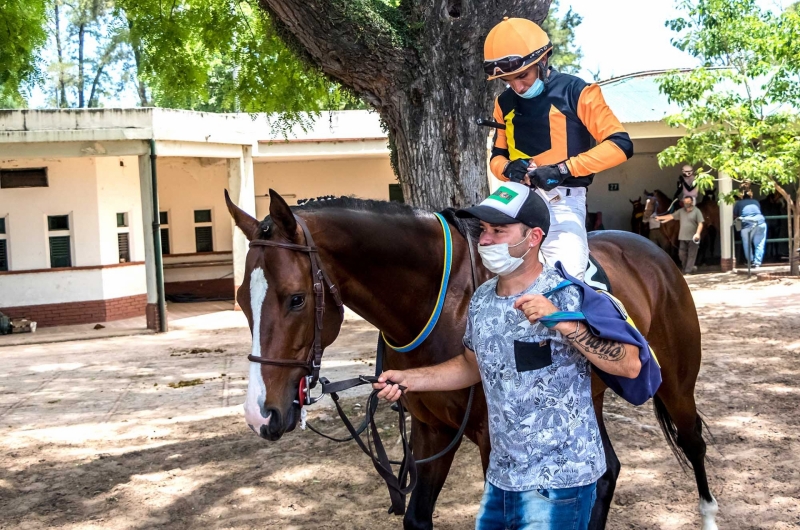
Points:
[(386, 260), (638, 222)]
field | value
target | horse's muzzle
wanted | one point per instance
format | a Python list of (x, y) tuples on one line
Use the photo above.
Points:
[(279, 423)]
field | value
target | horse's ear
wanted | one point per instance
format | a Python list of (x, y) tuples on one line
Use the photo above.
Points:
[(647, 193), (282, 215), (248, 224)]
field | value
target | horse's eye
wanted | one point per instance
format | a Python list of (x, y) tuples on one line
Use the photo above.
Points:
[(297, 301)]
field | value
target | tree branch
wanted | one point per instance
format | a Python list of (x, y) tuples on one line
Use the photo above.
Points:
[(350, 40)]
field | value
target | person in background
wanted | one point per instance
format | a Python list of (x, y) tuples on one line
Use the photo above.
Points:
[(754, 228), (691, 226), (686, 185)]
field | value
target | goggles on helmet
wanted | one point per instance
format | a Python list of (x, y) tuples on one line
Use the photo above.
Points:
[(512, 63)]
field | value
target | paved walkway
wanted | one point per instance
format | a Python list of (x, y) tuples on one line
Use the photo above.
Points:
[(176, 313)]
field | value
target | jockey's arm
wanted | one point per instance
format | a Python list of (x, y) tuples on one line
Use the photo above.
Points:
[(615, 358), (459, 372), (614, 145)]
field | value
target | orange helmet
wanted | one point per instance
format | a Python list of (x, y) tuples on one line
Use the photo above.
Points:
[(514, 45)]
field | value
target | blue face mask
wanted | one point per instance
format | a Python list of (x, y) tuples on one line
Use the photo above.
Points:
[(536, 88)]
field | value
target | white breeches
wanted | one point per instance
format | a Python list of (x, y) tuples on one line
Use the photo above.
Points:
[(566, 242)]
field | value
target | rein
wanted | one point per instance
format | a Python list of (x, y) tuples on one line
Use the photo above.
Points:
[(405, 481)]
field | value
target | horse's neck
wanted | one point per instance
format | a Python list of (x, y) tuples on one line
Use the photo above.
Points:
[(388, 267)]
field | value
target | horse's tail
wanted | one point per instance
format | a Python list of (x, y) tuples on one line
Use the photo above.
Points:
[(670, 431)]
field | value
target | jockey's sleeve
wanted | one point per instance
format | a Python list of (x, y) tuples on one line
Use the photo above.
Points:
[(500, 145), (613, 147)]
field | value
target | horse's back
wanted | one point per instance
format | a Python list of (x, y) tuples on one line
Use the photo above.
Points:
[(655, 294)]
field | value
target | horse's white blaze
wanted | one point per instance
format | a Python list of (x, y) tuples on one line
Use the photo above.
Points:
[(256, 389), (708, 512)]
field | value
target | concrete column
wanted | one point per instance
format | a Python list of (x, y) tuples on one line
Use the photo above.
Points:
[(241, 187), (725, 223), (150, 261)]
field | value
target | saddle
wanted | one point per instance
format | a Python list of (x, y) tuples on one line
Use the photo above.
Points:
[(596, 277)]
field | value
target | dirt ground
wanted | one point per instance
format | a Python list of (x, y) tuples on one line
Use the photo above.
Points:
[(92, 435)]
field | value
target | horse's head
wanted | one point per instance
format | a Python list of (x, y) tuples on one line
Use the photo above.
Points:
[(277, 296)]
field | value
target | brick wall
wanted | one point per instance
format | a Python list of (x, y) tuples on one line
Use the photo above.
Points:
[(216, 289), (80, 312)]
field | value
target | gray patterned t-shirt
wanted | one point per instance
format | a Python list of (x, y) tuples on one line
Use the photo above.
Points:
[(542, 424)]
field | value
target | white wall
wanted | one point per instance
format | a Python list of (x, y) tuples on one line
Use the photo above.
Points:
[(189, 184), (72, 191), (209, 267), (118, 191), (634, 176), (366, 178), (70, 285)]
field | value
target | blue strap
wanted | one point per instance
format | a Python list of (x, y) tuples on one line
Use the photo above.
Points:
[(561, 316), (552, 319), (437, 311)]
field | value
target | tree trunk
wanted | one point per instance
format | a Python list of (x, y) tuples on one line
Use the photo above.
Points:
[(420, 66), (794, 237), (81, 38), (61, 91), (136, 46)]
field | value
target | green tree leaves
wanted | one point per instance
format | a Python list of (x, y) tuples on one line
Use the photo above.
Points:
[(22, 36), (740, 111)]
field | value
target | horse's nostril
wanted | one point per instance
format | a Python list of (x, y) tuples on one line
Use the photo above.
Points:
[(264, 432)]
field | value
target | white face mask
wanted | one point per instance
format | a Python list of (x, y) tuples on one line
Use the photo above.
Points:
[(498, 260)]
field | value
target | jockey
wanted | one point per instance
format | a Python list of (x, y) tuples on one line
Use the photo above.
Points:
[(550, 120)]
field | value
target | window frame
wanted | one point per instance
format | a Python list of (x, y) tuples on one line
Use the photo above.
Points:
[(203, 224), (7, 170), (165, 226), (4, 237), (69, 232)]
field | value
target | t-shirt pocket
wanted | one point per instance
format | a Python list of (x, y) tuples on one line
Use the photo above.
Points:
[(532, 355)]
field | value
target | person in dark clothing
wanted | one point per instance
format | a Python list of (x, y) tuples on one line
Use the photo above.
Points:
[(754, 228)]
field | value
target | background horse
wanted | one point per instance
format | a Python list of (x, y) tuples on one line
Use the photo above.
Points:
[(709, 207), (638, 221), (657, 203), (386, 260)]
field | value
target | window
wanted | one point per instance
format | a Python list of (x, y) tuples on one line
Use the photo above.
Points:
[(163, 220), (396, 193), (23, 178), (202, 216), (60, 244), (203, 231), (3, 245), (57, 222), (124, 247), (123, 238)]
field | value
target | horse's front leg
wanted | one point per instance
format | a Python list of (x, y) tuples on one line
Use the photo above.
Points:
[(427, 441)]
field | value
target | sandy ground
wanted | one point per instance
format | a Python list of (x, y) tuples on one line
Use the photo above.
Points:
[(92, 435)]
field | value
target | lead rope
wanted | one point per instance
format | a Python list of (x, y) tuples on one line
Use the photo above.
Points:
[(404, 482)]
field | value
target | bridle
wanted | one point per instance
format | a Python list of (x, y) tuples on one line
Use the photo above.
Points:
[(319, 278), (406, 479)]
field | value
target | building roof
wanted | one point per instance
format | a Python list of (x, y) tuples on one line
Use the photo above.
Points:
[(635, 98)]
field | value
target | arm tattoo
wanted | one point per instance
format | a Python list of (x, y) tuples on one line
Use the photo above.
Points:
[(607, 350)]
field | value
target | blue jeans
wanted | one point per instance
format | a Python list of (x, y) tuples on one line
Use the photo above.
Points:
[(556, 509), (754, 235)]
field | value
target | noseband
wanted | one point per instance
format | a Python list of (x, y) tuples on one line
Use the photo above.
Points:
[(319, 278)]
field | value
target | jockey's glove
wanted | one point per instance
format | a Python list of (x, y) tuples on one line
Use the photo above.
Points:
[(516, 170), (549, 177)]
